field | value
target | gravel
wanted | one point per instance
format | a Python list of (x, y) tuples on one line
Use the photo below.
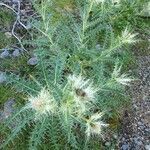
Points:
[(15, 1), (147, 147), (125, 147), (135, 133)]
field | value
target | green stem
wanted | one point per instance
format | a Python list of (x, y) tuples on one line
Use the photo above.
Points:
[(85, 18)]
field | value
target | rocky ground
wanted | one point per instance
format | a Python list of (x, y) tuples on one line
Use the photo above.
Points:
[(135, 134)]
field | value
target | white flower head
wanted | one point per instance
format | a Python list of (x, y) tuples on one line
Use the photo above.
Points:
[(121, 78), (128, 37), (94, 125), (43, 103), (82, 88)]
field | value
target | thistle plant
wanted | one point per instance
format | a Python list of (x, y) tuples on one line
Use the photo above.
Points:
[(72, 86), (75, 108)]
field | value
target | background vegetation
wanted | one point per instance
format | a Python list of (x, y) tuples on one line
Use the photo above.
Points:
[(73, 37)]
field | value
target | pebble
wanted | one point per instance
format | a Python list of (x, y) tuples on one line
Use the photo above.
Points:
[(8, 107), (5, 54), (125, 147), (16, 53), (138, 130), (140, 123), (147, 147), (139, 143), (33, 61)]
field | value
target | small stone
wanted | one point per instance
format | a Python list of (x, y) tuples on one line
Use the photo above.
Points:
[(125, 147), (135, 139), (135, 106), (147, 147), (16, 53), (147, 130), (5, 54), (140, 123), (139, 143), (142, 127), (9, 107), (33, 61), (2, 77)]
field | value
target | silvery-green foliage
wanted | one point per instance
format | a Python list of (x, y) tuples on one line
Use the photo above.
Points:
[(75, 81)]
